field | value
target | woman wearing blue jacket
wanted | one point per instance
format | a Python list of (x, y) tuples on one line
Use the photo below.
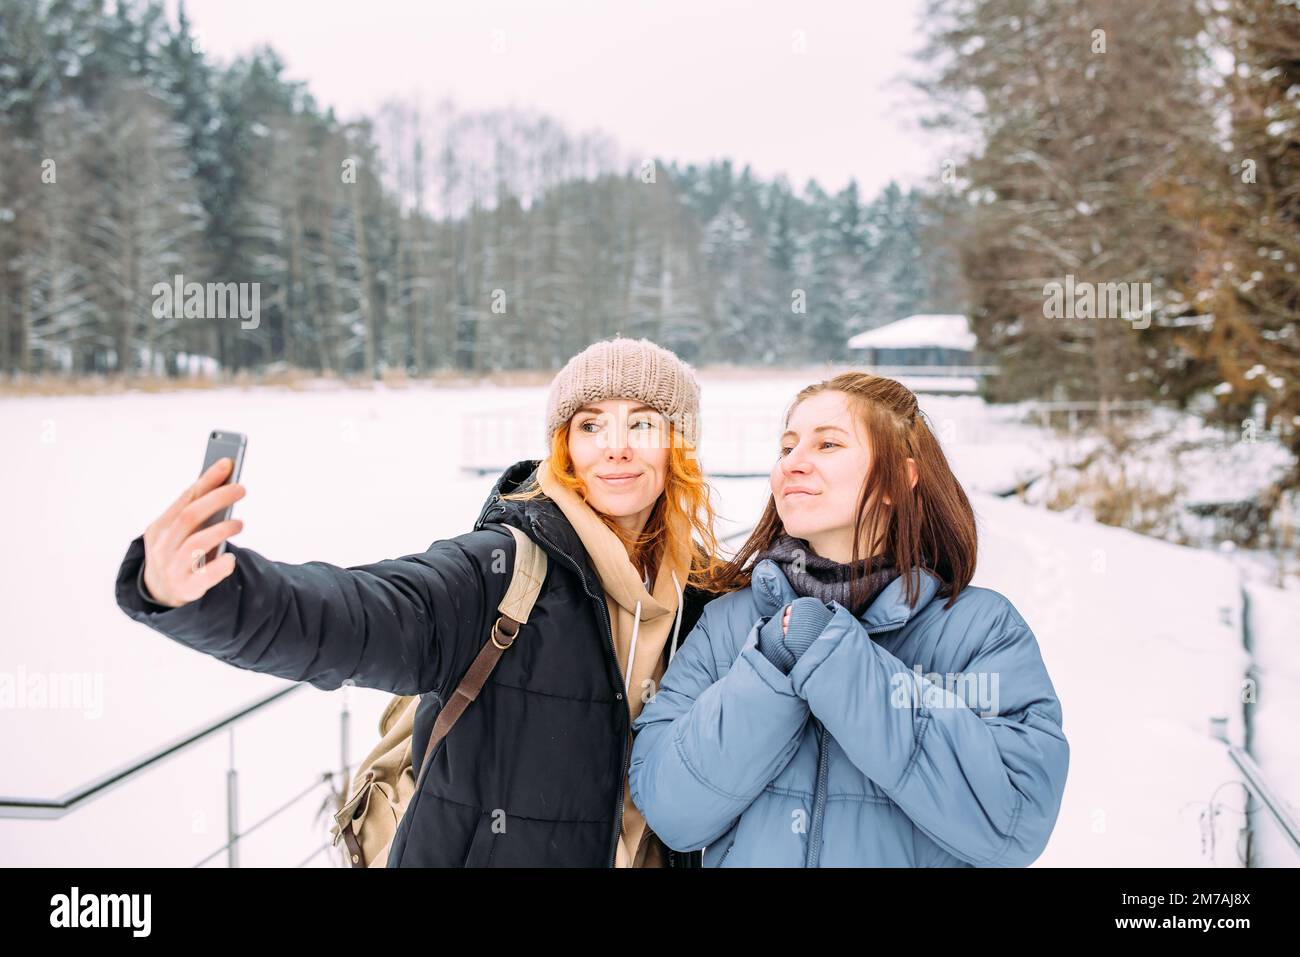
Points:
[(832, 709)]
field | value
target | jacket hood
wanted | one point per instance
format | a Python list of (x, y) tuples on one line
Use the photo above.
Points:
[(541, 518), (772, 590), (539, 513), (511, 480)]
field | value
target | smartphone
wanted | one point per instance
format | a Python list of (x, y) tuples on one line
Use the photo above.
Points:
[(223, 445)]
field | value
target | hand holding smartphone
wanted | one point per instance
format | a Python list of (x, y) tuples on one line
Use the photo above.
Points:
[(184, 547)]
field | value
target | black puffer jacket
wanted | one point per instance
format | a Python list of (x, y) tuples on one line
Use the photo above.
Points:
[(545, 743)]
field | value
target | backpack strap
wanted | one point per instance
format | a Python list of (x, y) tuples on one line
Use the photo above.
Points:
[(525, 582), (525, 585)]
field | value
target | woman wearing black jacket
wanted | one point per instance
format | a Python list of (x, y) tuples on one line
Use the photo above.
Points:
[(535, 771)]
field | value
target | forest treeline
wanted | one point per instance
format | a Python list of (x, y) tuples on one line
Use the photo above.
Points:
[(413, 240)]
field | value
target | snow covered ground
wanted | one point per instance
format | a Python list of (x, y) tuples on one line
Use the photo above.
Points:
[(1143, 639)]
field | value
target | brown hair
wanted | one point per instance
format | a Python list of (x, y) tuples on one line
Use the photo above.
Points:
[(930, 525), (684, 503)]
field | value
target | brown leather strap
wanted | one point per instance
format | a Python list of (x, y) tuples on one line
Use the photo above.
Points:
[(525, 585), (357, 858), (503, 636)]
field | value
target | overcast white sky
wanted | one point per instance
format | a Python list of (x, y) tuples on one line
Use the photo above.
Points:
[(684, 79)]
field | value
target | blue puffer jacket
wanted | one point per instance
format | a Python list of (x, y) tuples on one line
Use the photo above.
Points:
[(909, 737)]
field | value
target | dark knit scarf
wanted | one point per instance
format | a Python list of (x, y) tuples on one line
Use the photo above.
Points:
[(812, 575)]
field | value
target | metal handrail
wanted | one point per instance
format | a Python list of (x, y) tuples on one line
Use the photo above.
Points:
[(1255, 781), (50, 808)]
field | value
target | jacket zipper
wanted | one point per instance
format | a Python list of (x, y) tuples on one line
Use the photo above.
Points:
[(819, 798), (609, 630)]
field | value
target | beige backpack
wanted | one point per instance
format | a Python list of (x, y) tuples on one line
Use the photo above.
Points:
[(385, 780)]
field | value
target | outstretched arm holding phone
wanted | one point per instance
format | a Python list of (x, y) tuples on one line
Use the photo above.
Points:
[(398, 625)]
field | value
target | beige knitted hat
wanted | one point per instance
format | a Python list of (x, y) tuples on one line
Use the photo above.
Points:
[(621, 368)]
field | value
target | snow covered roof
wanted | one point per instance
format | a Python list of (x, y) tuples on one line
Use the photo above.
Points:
[(917, 332)]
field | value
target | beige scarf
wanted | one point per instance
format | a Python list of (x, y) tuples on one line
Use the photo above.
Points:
[(641, 622)]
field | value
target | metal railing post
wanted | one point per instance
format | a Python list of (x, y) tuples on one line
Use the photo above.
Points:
[(232, 808), (344, 723)]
